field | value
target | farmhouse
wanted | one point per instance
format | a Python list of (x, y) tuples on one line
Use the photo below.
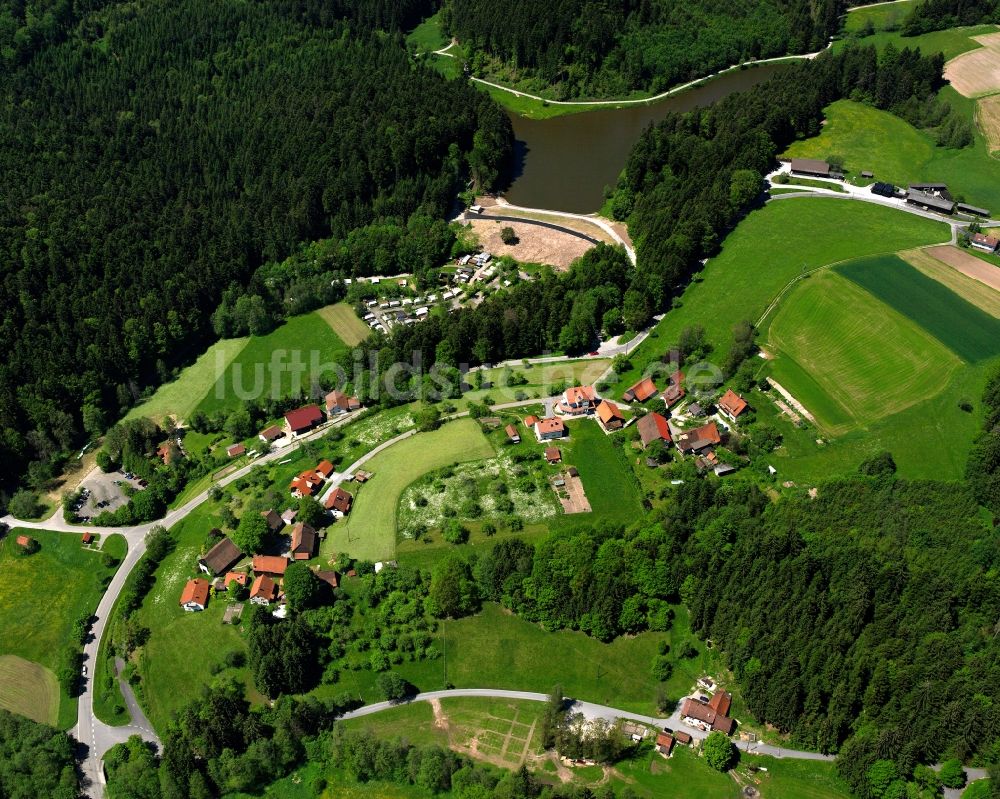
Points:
[(195, 595), (337, 402), (701, 438), (303, 542), (549, 429), (653, 427), (263, 590), (732, 405), (235, 450), (271, 434), (273, 565), (641, 391), (578, 400), (304, 419), (274, 521), (305, 484), (609, 417), (705, 717), (810, 166), (512, 435), (220, 558), (930, 202), (553, 454), (339, 503), (720, 702), (984, 243)]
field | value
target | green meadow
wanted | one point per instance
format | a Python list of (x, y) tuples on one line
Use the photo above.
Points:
[(950, 42)]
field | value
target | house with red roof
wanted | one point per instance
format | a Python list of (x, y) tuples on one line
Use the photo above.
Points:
[(530, 421), (263, 590), (24, 541), (664, 743), (578, 400), (512, 435), (304, 419), (235, 450), (337, 402), (704, 717), (553, 454), (549, 429), (240, 578), (273, 565), (194, 597), (699, 439), (271, 434), (732, 405), (653, 427), (339, 503), (609, 417), (641, 391)]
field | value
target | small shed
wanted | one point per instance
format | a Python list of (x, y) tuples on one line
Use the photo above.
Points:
[(553, 454)]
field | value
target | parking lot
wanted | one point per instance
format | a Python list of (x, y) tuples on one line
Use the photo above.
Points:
[(104, 492)]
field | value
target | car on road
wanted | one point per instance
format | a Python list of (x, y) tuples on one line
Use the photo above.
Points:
[(84, 671), (595, 352)]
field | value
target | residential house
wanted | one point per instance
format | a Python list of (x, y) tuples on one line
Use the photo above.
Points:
[(289, 515), (263, 591), (512, 435), (641, 391), (303, 542), (220, 558), (235, 450), (664, 743), (682, 737), (337, 402), (672, 394), (271, 434), (274, 521), (240, 578), (578, 400), (549, 429), (701, 715), (732, 405), (609, 417), (194, 597), (324, 469), (304, 419), (984, 243), (306, 483), (328, 576), (530, 421), (339, 503), (653, 427), (553, 454), (695, 441), (273, 565), (694, 409)]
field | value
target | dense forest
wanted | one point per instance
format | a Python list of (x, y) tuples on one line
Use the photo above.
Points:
[(35, 760), (159, 158), (610, 48), (935, 15)]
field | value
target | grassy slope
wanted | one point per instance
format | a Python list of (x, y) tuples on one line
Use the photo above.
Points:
[(768, 249), (427, 36), (951, 42), (606, 479), (880, 17), (370, 530), (44, 594), (345, 323), (899, 153), (307, 340), (848, 358), (30, 689), (979, 294)]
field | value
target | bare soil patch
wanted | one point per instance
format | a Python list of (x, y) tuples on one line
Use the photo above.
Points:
[(572, 496), (535, 244), (977, 72), (969, 265), (988, 118)]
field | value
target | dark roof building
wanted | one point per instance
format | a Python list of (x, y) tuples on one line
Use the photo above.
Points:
[(220, 558), (706, 716), (965, 208), (810, 166), (303, 542), (930, 201), (274, 521), (653, 427)]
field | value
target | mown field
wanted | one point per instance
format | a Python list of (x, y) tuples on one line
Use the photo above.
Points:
[(345, 323), (878, 17), (770, 248), (950, 42), (43, 595), (369, 532), (897, 152), (278, 364), (612, 490), (847, 357)]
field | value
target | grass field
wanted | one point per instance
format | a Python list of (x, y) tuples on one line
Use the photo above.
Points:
[(43, 595), (29, 689), (370, 529), (950, 42), (770, 248), (848, 358), (879, 17), (181, 396), (542, 379), (263, 366), (612, 490), (345, 323), (427, 36), (973, 291), (966, 330)]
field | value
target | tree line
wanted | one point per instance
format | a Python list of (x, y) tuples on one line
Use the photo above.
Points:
[(581, 48), (35, 760), (935, 15), (130, 215)]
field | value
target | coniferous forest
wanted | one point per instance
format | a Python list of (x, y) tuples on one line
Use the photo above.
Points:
[(585, 48), (157, 155)]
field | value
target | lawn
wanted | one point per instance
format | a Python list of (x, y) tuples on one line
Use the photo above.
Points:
[(879, 17), (427, 36), (770, 248), (345, 323), (950, 42), (897, 152), (965, 329), (29, 689), (683, 776), (542, 379), (278, 364), (369, 532), (43, 595), (850, 359), (611, 486), (181, 396), (801, 779)]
